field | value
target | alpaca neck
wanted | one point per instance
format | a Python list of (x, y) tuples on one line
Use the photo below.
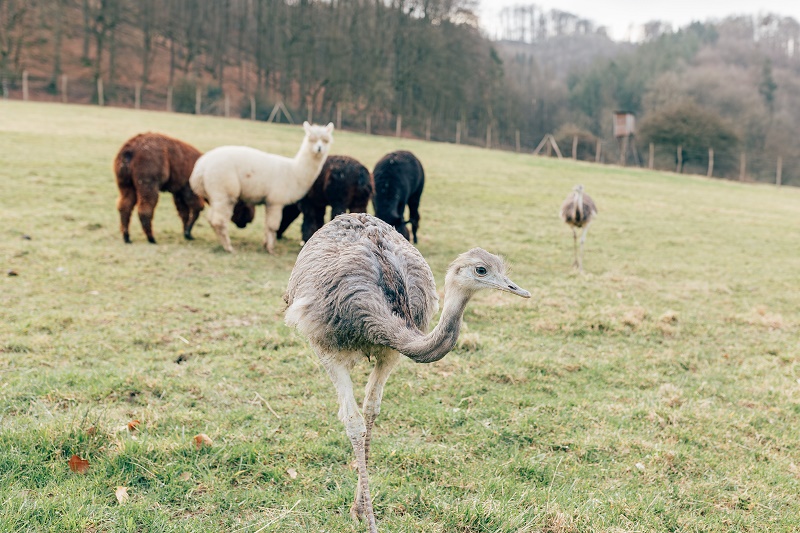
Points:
[(437, 343), (306, 167)]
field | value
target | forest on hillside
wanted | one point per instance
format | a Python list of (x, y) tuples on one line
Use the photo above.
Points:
[(425, 68)]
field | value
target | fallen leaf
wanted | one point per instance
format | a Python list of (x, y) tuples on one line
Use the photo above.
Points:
[(121, 494), (292, 473), (186, 476), (133, 425), (91, 431), (76, 464), (201, 439)]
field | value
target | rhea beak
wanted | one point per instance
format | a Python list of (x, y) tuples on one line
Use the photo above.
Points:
[(504, 284)]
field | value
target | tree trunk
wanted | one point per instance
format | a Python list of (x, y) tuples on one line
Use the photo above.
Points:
[(57, 37), (87, 31)]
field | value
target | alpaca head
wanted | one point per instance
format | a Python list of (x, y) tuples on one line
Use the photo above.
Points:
[(318, 139), (478, 269)]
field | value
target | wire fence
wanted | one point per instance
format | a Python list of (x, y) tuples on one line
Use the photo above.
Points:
[(188, 96)]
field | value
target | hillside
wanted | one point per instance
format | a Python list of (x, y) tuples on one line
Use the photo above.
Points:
[(658, 391)]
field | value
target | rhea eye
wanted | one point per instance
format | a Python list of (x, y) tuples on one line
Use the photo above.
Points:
[(481, 271)]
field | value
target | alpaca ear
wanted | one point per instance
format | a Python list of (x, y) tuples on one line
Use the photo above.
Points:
[(329, 127), (307, 126)]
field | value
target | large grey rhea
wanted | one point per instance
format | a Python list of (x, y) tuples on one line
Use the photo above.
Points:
[(360, 288)]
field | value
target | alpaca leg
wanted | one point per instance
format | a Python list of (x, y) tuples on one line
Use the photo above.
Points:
[(354, 427), (337, 209), (125, 203), (372, 407), (289, 215), (146, 206), (401, 225), (413, 209), (583, 239), (183, 201), (271, 225), (313, 219), (358, 207), (218, 215), (196, 205)]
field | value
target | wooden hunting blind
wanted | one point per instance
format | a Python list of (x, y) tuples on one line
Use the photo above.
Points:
[(625, 132), (624, 124)]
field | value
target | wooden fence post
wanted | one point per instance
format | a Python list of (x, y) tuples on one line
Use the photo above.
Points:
[(651, 162), (458, 132), (198, 102), (100, 91), (338, 116), (575, 147), (597, 151), (369, 123), (516, 138), (742, 166), (710, 162), (227, 106), (252, 108), (428, 130), (488, 136), (137, 97), (623, 152), (680, 159), (779, 172), (310, 108), (64, 81), (169, 99), (25, 85), (399, 126)]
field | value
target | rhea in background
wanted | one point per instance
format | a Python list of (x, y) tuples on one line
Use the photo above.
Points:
[(359, 288), (578, 211)]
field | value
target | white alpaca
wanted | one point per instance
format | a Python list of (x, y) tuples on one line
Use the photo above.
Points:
[(224, 175)]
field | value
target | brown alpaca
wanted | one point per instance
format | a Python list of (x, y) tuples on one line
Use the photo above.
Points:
[(149, 163)]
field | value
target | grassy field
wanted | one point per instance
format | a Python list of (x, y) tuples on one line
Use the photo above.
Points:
[(659, 391)]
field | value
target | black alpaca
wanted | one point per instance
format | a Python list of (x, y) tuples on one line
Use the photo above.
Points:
[(399, 180), (343, 183)]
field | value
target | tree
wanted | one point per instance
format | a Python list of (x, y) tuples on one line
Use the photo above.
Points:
[(694, 129)]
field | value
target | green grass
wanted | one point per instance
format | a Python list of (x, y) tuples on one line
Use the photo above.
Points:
[(659, 391)]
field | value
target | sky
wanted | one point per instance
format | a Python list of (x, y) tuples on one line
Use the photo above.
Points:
[(619, 16)]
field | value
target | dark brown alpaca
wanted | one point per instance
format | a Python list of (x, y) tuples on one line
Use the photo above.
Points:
[(343, 183), (149, 163)]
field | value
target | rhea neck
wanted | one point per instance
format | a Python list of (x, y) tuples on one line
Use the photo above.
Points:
[(437, 343), (579, 202)]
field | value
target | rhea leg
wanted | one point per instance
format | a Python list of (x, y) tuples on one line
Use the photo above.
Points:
[(272, 222), (583, 239), (354, 427), (372, 407), (575, 246), (125, 203)]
